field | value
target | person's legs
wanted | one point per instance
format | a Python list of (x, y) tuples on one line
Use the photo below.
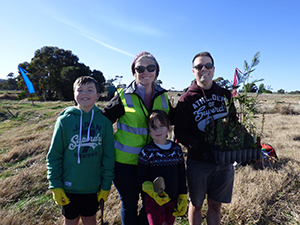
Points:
[(84, 206), (221, 185), (126, 184), (72, 222), (71, 211), (216, 181), (213, 212), (89, 208), (194, 214), (198, 178), (169, 208), (155, 213), (90, 220), (142, 217), (205, 178), (219, 191)]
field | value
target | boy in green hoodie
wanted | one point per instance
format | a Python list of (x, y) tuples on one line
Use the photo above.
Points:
[(81, 158)]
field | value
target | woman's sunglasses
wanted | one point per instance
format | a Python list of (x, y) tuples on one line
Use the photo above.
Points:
[(207, 66), (141, 69)]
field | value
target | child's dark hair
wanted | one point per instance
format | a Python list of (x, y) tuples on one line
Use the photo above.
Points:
[(85, 80), (161, 116)]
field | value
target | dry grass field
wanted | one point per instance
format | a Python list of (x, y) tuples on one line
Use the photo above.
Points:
[(259, 196)]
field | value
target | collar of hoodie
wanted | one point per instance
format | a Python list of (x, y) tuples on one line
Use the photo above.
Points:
[(80, 132)]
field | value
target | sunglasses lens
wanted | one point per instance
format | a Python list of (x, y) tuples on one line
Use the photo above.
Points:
[(208, 66), (140, 69), (199, 67), (150, 68)]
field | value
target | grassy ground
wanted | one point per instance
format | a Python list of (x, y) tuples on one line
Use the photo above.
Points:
[(259, 196)]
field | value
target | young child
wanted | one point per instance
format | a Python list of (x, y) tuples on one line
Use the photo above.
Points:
[(162, 158), (81, 158)]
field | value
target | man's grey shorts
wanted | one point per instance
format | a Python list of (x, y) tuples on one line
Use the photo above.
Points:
[(205, 178)]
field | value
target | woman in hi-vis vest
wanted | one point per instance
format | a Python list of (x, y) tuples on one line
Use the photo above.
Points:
[(130, 108)]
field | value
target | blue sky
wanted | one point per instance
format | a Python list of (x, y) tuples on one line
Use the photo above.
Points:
[(106, 35)]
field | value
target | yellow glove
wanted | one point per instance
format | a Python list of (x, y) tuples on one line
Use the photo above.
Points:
[(60, 197), (102, 194), (181, 205), (148, 188)]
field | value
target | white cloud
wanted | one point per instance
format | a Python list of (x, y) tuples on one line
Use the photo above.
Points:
[(106, 45), (83, 32)]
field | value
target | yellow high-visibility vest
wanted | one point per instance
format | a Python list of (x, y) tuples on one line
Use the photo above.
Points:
[(132, 132)]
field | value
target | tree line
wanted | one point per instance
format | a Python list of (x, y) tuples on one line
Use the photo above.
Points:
[(53, 71)]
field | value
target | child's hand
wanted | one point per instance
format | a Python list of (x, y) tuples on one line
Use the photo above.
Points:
[(59, 196), (148, 188), (182, 205), (102, 194)]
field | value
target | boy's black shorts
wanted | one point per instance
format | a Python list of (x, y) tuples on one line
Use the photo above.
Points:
[(80, 204)]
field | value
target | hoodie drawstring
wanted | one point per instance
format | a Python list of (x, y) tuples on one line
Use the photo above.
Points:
[(88, 134), (80, 131), (79, 138)]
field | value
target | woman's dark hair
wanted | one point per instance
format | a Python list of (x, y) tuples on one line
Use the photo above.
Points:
[(146, 55)]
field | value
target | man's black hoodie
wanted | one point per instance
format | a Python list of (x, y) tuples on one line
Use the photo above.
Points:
[(195, 109)]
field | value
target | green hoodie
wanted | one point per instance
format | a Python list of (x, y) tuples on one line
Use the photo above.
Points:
[(93, 168)]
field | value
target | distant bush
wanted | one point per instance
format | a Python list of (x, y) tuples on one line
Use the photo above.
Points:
[(22, 95), (9, 96), (281, 91), (294, 92)]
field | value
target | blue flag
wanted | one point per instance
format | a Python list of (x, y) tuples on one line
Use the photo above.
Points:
[(27, 81)]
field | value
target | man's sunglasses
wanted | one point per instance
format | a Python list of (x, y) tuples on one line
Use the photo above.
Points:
[(207, 66), (141, 69)]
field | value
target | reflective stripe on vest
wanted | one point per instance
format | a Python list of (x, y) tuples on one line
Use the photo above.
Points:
[(136, 130), (164, 101), (129, 149), (129, 102), (132, 130)]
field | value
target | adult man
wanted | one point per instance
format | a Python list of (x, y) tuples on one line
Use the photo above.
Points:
[(202, 103)]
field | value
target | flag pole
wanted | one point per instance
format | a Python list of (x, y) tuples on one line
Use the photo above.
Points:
[(31, 99), (234, 91)]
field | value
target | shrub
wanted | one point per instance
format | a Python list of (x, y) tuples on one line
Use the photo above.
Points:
[(22, 95)]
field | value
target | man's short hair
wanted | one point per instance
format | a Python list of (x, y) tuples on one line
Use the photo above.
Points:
[(203, 54), (85, 80)]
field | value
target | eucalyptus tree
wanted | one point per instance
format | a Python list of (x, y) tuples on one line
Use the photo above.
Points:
[(53, 71)]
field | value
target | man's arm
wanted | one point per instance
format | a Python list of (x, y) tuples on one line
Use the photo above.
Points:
[(182, 126)]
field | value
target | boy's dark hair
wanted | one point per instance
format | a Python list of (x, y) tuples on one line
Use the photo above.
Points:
[(85, 80), (161, 116), (204, 54)]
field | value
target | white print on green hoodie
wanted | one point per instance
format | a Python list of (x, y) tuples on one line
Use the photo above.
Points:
[(93, 142)]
